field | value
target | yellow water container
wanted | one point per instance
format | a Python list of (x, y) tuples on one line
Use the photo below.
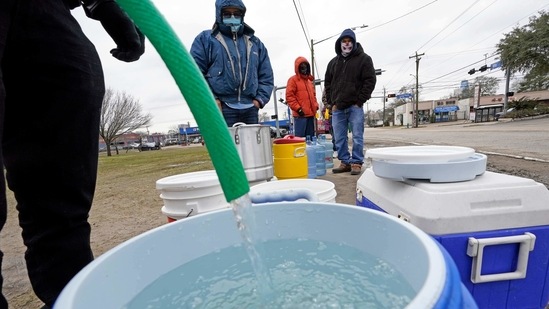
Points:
[(290, 157)]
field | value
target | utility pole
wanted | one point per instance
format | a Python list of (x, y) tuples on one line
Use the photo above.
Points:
[(384, 99), (506, 97), (416, 107)]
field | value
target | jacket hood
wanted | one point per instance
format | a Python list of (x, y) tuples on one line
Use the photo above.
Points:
[(349, 34), (299, 60), (218, 25)]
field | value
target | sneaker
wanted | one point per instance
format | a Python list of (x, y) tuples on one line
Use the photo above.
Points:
[(335, 155), (342, 168), (356, 169)]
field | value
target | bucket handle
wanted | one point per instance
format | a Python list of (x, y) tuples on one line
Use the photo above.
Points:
[(283, 195), (236, 136), (299, 155), (237, 125)]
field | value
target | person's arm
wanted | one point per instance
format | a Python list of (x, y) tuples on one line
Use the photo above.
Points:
[(369, 80), (265, 77), (130, 42), (291, 97), (199, 53), (328, 85)]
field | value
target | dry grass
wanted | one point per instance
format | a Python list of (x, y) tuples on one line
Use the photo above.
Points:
[(126, 204)]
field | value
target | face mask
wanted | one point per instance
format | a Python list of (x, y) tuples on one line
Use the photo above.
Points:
[(234, 22), (304, 70), (346, 48)]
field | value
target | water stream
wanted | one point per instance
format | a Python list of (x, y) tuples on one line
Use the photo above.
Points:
[(246, 224)]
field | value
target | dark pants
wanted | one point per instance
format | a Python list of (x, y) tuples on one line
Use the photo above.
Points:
[(51, 91), (247, 116), (304, 126)]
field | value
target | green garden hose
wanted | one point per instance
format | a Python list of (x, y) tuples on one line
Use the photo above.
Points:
[(196, 92)]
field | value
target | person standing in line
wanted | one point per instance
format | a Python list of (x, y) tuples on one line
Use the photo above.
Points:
[(235, 63), (51, 81), (301, 98), (349, 81)]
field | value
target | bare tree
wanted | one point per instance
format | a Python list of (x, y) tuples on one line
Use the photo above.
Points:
[(120, 114)]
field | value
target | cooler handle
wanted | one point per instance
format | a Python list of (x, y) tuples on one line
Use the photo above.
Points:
[(283, 195), (300, 154), (475, 249)]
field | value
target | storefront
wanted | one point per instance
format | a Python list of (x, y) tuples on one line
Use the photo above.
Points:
[(445, 113)]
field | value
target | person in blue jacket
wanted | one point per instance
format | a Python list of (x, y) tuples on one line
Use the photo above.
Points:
[(235, 63)]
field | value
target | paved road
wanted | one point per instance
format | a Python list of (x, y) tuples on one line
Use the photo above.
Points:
[(521, 138)]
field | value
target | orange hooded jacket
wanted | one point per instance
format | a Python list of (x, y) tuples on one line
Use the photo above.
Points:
[(300, 91)]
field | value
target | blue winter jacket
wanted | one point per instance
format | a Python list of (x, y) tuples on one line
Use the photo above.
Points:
[(236, 66)]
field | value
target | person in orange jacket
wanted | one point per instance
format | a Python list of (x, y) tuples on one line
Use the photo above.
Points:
[(301, 98)]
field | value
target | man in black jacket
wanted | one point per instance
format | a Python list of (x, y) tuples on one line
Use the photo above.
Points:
[(51, 92), (349, 82)]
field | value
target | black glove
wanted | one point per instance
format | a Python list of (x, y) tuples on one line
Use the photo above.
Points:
[(130, 42), (300, 112)]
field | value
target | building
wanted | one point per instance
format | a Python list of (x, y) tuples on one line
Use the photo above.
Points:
[(482, 110)]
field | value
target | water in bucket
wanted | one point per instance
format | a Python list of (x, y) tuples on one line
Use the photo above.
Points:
[(306, 273), (314, 245)]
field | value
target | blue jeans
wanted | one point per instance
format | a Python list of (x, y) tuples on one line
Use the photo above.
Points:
[(232, 115), (341, 119), (304, 126)]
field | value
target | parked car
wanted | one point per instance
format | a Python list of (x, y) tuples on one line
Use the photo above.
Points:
[(500, 114), (149, 146), (171, 141), (283, 132)]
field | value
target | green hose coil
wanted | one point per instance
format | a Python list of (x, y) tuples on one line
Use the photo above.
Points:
[(196, 92)]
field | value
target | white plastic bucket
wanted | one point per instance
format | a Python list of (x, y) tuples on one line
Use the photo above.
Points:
[(186, 195), (325, 190), (119, 275)]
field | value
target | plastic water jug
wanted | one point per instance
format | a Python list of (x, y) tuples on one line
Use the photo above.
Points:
[(311, 158), (320, 155), (329, 158)]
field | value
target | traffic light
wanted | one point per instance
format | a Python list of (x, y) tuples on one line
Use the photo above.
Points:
[(483, 68), (472, 71), (391, 95)]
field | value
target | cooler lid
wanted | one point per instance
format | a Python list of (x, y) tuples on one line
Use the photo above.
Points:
[(418, 154), (289, 139), (196, 179)]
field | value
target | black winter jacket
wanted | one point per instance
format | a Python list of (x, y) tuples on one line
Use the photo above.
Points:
[(350, 80)]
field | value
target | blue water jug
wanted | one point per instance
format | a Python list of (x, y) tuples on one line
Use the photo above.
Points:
[(320, 152), (329, 157), (310, 149)]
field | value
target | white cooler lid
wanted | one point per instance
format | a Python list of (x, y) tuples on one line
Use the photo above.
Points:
[(436, 163), (418, 154), (195, 179)]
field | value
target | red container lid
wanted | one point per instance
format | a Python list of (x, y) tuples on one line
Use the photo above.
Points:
[(289, 139)]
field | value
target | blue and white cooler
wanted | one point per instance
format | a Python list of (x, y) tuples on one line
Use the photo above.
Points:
[(494, 226)]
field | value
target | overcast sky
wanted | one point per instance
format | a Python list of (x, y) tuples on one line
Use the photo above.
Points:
[(454, 36)]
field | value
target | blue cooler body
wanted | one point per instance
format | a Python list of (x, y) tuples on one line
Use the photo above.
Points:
[(495, 227)]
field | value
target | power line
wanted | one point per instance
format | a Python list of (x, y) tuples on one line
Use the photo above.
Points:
[(467, 9), (465, 23), (301, 22), (397, 18)]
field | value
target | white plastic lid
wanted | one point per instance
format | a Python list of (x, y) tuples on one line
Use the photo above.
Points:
[(195, 179), (419, 154)]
